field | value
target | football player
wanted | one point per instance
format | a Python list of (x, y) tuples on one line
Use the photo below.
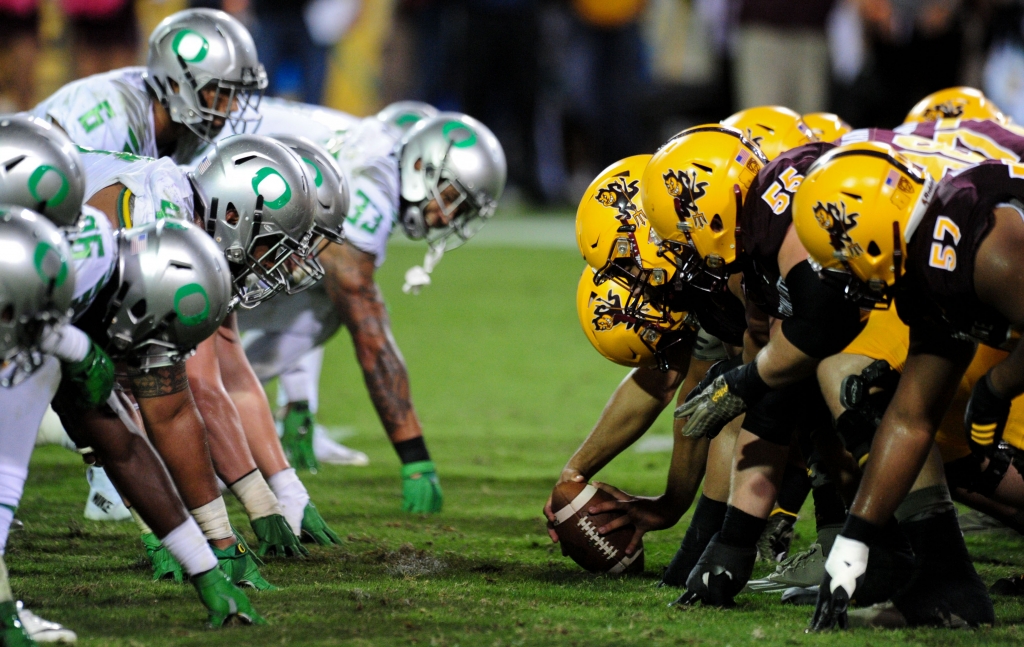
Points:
[(948, 258), (43, 169), (441, 181)]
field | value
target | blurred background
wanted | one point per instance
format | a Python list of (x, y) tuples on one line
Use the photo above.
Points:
[(569, 86)]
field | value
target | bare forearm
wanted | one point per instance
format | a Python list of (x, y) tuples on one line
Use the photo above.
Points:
[(387, 381), (897, 454)]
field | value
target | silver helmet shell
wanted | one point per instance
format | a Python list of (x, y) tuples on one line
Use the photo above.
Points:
[(450, 150), (256, 200), (332, 198), (40, 169), (196, 49), (174, 291), (403, 115), (37, 284)]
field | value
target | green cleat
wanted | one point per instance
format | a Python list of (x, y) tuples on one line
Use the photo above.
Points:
[(314, 528), (12, 631), (224, 600), (239, 563), (421, 489), (297, 439), (165, 567), (276, 537)]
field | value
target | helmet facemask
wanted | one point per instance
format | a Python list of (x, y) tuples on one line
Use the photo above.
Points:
[(463, 213)]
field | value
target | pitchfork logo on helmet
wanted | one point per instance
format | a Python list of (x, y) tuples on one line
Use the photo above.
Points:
[(834, 219), (685, 191), (946, 110)]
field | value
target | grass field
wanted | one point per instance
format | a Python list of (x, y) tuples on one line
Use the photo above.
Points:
[(506, 386)]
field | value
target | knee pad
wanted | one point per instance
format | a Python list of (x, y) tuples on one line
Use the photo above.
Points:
[(966, 473)]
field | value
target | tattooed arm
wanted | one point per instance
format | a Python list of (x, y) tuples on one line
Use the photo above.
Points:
[(360, 305), (177, 430)]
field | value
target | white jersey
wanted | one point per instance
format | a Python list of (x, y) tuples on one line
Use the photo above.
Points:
[(110, 111), (94, 255), (155, 189)]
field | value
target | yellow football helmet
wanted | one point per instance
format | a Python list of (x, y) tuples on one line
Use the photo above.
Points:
[(692, 189), (955, 103), (612, 231), (851, 213), (827, 127), (773, 128), (624, 327)]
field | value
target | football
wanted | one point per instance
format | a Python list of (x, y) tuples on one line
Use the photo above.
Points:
[(577, 531)]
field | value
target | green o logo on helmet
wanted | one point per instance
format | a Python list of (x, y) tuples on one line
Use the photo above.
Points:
[(458, 134), (48, 184), (190, 46), (191, 304), (269, 183), (50, 264), (316, 169)]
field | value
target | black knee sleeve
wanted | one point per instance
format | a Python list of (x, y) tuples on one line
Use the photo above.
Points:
[(966, 473), (856, 432)]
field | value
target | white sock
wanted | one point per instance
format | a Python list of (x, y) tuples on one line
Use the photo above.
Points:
[(143, 526), (292, 496), (6, 517), (189, 547), (255, 496), (213, 519)]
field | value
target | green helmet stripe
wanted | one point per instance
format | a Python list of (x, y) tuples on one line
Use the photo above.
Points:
[(450, 129), (183, 293), (37, 177), (39, 259), (261, 176), (407, 118)]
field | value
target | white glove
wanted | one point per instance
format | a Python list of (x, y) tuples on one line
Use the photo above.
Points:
[(66, 343), (847, 561), (418, 276)]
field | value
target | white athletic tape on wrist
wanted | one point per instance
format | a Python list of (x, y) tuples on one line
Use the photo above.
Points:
[(141, 523), (574, 506), (67, 343), (292, 496), (256, 497), (213, 520), (188, 545)]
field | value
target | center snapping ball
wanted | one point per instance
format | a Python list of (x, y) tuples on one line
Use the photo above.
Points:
[(577, 531)]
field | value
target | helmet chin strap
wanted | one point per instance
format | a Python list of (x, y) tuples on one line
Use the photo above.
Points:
[(419, 275)]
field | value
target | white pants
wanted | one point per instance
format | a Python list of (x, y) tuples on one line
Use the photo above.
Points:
[(23, 408), (291, 357)]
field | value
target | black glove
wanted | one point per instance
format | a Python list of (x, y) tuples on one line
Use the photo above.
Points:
[(721, 573), (985, 418)]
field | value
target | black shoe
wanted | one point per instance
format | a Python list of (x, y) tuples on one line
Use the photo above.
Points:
[(1008, 586)]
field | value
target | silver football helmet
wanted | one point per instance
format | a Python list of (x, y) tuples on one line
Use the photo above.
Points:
[(332, 198), (457, 161), (174, 291), (37, 283), (197, 49), (255, 197), (403, 115), (40, 169)]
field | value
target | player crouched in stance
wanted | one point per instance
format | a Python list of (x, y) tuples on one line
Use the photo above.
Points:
[(43, 169), (441, 180), (947, 254)]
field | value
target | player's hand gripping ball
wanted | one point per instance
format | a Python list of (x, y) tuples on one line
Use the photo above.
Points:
[(577, 531)]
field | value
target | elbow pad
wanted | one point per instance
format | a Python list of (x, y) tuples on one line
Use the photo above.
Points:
[(824, 322)]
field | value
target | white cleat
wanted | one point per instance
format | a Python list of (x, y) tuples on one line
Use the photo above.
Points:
[(333, 453), (104, 503), (44, 631)]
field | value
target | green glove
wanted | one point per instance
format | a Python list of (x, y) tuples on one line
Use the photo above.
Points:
[(224, 600), (276, 537), (164, 564), (87, 384), (12, 632), (239, 563), (297, 439), (421, 489), (316, 529)]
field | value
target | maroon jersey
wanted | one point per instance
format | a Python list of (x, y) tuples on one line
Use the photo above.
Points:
[(937, 290), (763, 222), (986, 138)]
